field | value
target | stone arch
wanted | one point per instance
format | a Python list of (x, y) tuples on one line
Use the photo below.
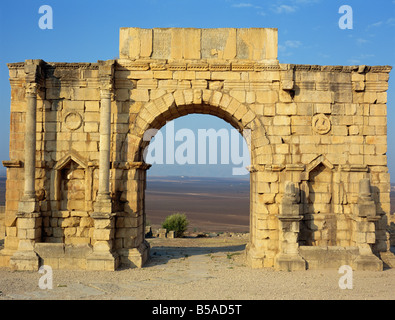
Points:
[(155, 113), (172, 105)]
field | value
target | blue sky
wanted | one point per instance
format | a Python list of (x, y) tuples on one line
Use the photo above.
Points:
[(87, 31)]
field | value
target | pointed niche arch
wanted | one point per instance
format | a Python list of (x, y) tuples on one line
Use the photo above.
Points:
[(318, 227), (70, 176)]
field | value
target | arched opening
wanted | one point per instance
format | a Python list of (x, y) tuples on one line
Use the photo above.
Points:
[(154, 115), (157, 113), (198, 169)]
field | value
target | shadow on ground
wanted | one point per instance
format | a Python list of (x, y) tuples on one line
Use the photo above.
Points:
[(163, 254)]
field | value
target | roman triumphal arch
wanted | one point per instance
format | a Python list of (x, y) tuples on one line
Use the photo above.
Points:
[(320, 187)]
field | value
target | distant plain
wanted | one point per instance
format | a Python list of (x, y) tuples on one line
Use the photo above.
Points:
[(210, 204)]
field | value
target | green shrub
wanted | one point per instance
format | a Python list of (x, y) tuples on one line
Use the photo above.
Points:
[(176, 222)]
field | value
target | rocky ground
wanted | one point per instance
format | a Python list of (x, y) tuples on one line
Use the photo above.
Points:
[(199, 268)]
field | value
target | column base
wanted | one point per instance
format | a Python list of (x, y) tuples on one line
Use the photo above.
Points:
[(288, 262), (25, 260), (102, 261), (388, 259), (368, 263), (28, 207), (135, 257), (103, 206)]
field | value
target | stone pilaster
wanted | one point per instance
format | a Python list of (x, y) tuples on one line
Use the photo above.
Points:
[(289, 258), (103, 256), (364, 229), (135, 250), (103, 201), (30, 140), (254, 257), (106, 73), (29, 221)]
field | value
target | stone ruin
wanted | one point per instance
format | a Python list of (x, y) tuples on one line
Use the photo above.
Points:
[(320, 187)]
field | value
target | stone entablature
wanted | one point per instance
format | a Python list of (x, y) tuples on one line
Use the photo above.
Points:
[(318, 146)]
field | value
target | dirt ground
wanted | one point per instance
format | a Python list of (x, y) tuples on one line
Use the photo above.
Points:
[(210, 268)]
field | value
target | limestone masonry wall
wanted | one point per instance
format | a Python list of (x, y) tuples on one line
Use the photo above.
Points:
[(323, 129)]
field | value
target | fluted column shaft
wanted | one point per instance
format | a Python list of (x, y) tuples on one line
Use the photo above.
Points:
[(30, 142), (105, 141)]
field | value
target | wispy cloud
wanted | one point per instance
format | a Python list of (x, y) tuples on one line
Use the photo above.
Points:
[(286, 48), (281, 7), (245, 5), (388, 22), (307, 1), (291, 6), (377, 24), (293, 43), (242, 5), (360, 59), (361, 41), (284, 8)]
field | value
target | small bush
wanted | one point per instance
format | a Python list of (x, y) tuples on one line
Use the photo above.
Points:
[(176, 222)]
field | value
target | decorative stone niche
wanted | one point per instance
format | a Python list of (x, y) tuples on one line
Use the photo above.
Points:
[(70, 221)]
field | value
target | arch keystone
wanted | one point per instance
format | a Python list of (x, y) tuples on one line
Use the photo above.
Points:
[(188, 96), (197, 96), (207, 95)]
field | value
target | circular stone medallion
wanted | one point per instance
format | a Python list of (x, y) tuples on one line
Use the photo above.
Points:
[(73, 120), (321, 124)]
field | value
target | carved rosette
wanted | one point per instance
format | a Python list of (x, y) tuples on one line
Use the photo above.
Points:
[(73, 120), (321, 124)]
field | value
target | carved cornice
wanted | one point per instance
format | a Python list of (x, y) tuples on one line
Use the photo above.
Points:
[(12, 163), (126, 165), (198, 65), (139, 165), (353, 168), (72, 66), (343, 69), (202, 65), (385, 69), (295, 167)]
